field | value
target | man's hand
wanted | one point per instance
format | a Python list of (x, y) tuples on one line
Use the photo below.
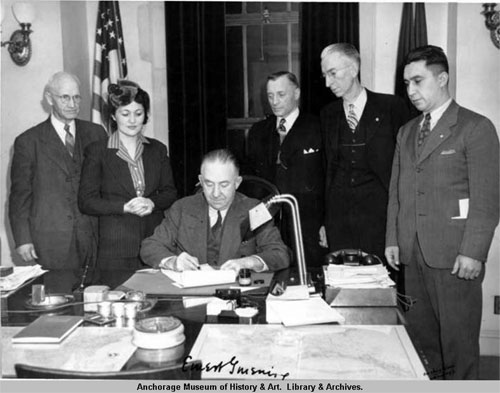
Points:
[(466, 267), (323, 242), (27, 252), (243, 263), (392, 256), (139, 206), (182, 262)]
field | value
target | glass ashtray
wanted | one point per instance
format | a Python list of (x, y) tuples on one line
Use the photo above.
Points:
[(51, 301)]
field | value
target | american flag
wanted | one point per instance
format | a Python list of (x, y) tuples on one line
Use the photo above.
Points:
[(110, 63)]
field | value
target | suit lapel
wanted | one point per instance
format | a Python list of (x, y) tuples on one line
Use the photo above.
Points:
[(411, 140), (120, 170), (149, 171), (332, 128), (55, 149), (372, 117), (440, 132), (231, 237)]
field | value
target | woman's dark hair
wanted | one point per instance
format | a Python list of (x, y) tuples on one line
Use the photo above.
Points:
[(125, 92)]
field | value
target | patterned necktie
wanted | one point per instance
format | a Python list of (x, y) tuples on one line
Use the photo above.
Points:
[(282, 130), (352, 120), (218, 225), (69, 141), (425, 130)]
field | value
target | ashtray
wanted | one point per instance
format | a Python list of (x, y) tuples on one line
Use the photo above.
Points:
[(51, 301)]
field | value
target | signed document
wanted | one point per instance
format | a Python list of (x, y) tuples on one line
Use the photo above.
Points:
[(199, 278)]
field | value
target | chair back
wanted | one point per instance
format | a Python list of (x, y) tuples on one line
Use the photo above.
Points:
[(189, 371)]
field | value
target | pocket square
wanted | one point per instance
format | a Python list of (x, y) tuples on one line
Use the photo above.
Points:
[(448, 152), (310, 150)]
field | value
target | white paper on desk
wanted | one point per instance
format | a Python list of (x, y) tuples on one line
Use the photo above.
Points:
[(463, 208), (292, 292), (19, 276), (203, 277), (304, 312)]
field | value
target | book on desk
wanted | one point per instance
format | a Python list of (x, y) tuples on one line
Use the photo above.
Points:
[(48, 329)]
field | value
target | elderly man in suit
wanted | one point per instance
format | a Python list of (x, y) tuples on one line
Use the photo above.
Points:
[(286, 149), (443, 210), (213, 227), (45, 176), (359, 135)]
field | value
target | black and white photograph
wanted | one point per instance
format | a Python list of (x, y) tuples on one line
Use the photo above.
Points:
[(249, 196)]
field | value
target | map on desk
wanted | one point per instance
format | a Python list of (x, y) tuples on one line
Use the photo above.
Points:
[(87, 349), (374, 352)]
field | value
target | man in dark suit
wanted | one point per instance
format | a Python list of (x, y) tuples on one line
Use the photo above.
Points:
[(359, 134), (45, 175), (286, 149), (443, 210), (213, 227)]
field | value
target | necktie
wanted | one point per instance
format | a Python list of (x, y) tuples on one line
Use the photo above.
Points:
[(69, 140), (352, 120), (282, 130), (218, 224), (425, 130)]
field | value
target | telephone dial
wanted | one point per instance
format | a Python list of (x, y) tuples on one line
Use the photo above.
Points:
[(350, 257)]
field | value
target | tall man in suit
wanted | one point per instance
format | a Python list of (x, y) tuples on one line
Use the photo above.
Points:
[(359, 135), (286, 149), (45, 176), (443, 210), (213, 227)]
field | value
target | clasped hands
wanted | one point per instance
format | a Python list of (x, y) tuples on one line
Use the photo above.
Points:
[(139, 206), (184, 261)]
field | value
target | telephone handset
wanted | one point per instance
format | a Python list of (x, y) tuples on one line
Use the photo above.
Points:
[(351, 257)]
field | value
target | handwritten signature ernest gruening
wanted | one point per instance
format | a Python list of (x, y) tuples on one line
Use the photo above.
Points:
[(232, 368)]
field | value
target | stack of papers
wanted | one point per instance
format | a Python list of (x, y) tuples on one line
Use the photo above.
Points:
[(199, 278), (20, 275), (343, 276), (296, 308)]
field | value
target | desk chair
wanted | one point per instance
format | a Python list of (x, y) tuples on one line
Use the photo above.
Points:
[(166, 373)]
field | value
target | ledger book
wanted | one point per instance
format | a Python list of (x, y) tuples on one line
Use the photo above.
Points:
[(48, 329)]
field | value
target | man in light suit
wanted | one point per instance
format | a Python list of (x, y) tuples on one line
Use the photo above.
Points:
[(359, 134), (213, 227), (286, 149), (443, 210), (47, 226)]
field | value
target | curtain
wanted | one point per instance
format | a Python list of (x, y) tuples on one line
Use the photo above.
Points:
[(196, 79), (323, 24), (413, 33)]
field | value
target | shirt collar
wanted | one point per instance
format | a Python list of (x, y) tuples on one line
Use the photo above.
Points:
[(289, 119), (59, 125), (437, 113), (359, 103), (114, 140)]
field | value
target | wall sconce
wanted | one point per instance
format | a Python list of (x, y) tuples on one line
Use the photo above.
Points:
[(19, 44), (492, 22)]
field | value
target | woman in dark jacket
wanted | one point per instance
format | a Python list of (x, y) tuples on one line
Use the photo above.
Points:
[(127, 182)]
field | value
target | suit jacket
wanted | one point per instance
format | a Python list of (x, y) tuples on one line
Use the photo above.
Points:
[(301, 152), (106, 185), (44, 186), (382, 117), (185, 229), (459, 161)]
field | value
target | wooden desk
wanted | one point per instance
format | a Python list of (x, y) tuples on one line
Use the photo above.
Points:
[(193, 320)]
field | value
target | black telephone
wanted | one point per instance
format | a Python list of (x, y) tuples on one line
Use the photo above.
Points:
[(351, 257)]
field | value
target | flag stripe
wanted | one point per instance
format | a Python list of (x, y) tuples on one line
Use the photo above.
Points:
[(109, 59)]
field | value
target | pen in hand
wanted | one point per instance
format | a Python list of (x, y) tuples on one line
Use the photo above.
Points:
[(183, 249)]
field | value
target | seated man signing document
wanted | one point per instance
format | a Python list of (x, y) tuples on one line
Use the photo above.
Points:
[(212, 227)]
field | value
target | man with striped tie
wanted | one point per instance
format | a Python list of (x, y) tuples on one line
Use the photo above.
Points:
[(359, 134), (46, 224)]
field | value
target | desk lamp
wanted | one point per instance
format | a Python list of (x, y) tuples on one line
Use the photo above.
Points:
[(260, 215)]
